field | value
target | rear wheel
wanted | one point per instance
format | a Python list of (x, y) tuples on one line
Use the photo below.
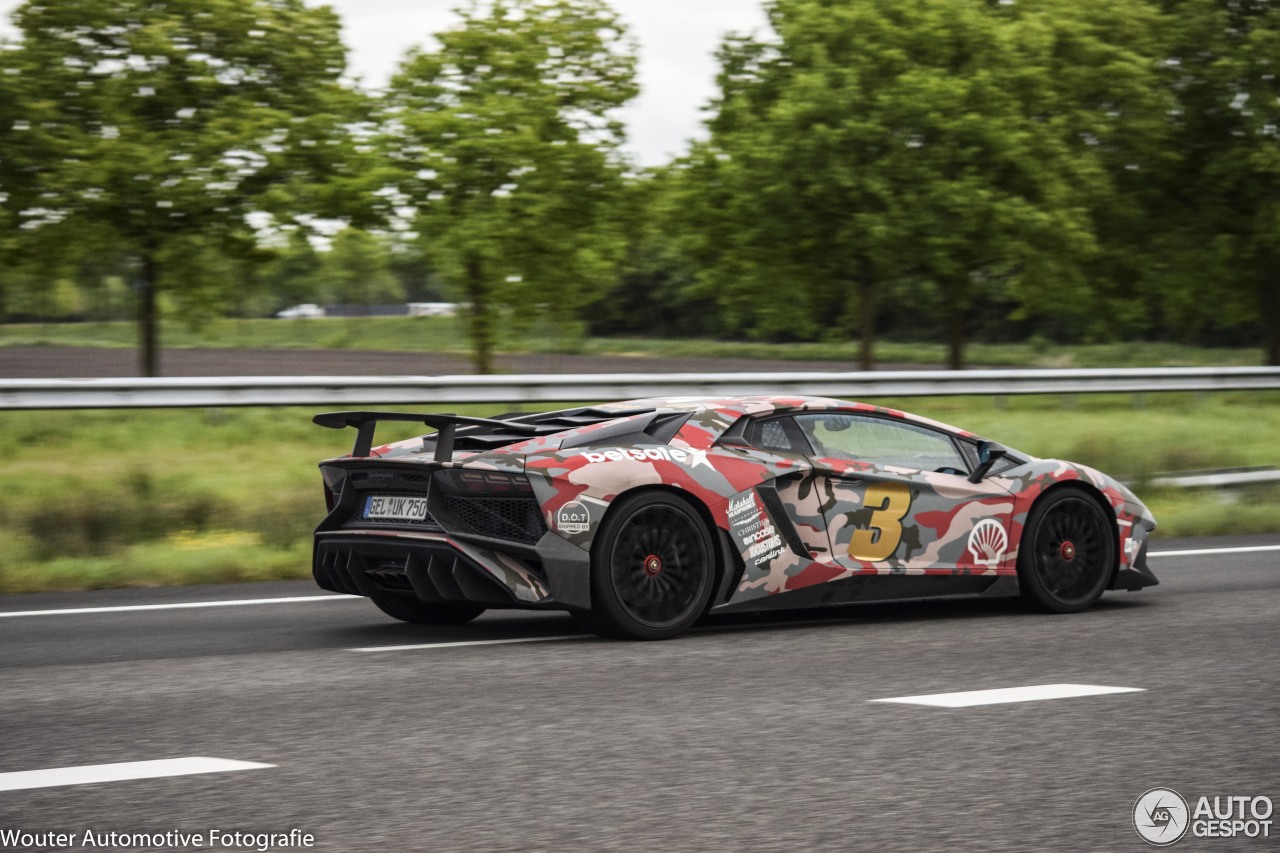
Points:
[(652, 568), (408, 609), (1067, 554)]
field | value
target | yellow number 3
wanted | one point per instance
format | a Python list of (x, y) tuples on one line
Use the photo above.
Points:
[(878, 541)]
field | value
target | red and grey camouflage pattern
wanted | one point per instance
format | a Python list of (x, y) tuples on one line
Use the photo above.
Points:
[(794, 521)]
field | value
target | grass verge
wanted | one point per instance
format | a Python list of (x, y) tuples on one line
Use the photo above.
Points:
[(447, 335), (111, 499)]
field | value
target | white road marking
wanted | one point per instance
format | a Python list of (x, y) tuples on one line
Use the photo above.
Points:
[(305, 599), (461, 643), (94, 773), (185, 605), (1002, 695), (1201, 552)]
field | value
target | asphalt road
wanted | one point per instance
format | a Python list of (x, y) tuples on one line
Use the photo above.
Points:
[(750, 733)]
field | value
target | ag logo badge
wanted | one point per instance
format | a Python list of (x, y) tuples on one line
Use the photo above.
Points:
[(1161, 816)]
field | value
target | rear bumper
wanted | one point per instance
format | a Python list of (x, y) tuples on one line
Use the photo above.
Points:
[(440, 568)]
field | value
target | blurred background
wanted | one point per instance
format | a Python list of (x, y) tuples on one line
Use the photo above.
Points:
[(270, 186)]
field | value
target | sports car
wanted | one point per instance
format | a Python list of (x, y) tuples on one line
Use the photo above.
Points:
[(639, 517)]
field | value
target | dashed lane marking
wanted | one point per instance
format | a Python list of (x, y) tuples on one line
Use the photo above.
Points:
[(970, 698), (91, 774), (454, 645), (183, 605), (1202, 552)]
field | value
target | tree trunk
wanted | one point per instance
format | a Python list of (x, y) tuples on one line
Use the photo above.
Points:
[(956, 325), (867, 305), (1269, 313), (148, 335), (481, 319)]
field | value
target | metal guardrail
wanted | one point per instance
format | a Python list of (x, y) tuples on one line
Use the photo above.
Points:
[(456, 390), (1225, 478)]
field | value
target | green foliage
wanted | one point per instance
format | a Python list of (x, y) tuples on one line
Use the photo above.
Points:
[(953, 151), (292, 274), (356, 270), (506, 142), (1222, 212)]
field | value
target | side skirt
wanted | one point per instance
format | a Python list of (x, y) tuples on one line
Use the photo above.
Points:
[(877, 588)]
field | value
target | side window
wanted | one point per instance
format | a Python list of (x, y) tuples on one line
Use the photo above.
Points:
[(774, 437), (881, 442), (777, 435)]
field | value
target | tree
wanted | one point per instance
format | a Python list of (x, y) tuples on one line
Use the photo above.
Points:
[(868, 143), (655, 294), (507, 150), (292, 275), (164, 123), (356, 270), (1222, 203), (1090, 76)]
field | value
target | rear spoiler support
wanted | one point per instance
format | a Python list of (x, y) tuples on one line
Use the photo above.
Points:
[(445, 425)]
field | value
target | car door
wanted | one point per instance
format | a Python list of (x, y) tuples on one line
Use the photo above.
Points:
[(900, 498)]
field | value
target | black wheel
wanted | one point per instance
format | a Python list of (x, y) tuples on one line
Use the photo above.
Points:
[(651, 568), (408, 609), (1068, 552)]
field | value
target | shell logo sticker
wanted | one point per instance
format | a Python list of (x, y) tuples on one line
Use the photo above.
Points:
[(988, 542)]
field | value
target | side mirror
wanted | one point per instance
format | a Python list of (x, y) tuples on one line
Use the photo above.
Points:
[(989, 453)]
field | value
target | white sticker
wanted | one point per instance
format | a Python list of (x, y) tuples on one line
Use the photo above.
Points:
[(573, 518), (988, 542)]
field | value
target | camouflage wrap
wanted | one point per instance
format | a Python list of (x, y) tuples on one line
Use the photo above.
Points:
[(794, 520)]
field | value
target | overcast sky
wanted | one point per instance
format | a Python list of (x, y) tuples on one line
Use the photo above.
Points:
[(677, 39)]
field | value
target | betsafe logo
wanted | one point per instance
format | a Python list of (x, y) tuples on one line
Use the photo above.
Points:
[(1160, 816)]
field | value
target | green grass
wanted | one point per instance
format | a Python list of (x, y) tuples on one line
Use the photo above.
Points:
[(447, 335), (924, 354), (108, 499)]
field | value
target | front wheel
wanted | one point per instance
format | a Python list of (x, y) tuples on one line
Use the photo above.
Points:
[(652, 568), (1068, 552), (415, 610)]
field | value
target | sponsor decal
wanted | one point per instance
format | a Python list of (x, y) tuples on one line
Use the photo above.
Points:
[(988, 542), (762, 533), (573, 518), (762, 549), (692, 458), (1162, 817), (742, 504)]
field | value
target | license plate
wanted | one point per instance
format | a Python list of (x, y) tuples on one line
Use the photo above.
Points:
[(394, 508)]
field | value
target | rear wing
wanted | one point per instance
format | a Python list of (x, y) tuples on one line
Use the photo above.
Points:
[(445, 425)]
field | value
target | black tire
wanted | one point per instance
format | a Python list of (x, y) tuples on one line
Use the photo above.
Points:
[(1068, 552), (408, 609), (652, 568)]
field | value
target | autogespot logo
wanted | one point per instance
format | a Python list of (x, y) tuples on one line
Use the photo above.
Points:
[(1161, 817)]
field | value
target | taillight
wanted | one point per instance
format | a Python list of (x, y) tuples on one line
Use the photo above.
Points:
[(332, 479), (484, 482)]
